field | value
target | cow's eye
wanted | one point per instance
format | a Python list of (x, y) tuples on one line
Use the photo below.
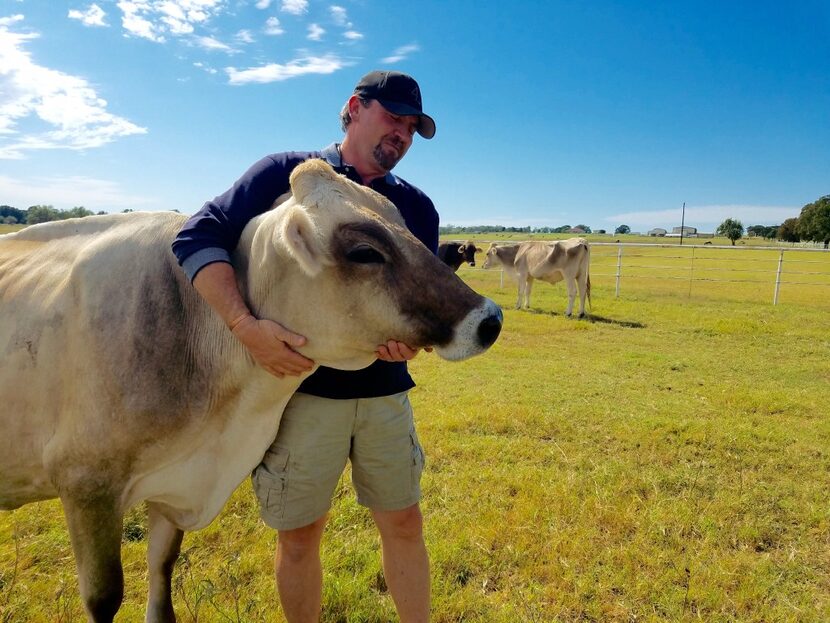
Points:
[(364, 254)]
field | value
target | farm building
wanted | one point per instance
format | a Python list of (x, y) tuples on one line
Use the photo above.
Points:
[(657, 231)]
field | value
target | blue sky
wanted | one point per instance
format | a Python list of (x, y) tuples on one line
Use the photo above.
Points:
[(547, 113)]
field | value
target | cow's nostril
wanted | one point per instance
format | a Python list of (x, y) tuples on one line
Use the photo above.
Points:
[(489, 329)]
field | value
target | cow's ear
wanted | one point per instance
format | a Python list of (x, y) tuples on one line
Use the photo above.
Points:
[(300, 237), (310, 181)]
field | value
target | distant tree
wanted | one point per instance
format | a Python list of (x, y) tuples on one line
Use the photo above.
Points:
[(8, 212), (600, 231), (584, 228), (788, 231), (770, 232), (126, 210), (8, 220), (732, 229), (100, 212), (755, 230), (77, 212), (41, 214), (814, 221), (623, 229)]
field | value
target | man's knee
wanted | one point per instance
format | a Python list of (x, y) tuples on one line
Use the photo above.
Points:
[(407, 523), (298, 543)]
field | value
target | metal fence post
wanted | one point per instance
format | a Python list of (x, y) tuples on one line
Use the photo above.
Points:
[(501, 279), (778, 278), (619, 271)]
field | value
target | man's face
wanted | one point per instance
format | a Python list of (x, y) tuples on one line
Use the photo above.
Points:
[(386, 135)]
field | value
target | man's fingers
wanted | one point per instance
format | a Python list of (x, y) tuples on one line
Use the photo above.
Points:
[(284, 335)]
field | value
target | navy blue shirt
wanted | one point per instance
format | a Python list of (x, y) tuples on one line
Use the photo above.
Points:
[(213, 232)]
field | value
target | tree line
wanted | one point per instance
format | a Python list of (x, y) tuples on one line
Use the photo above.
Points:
[(812, 224), (40, 214)]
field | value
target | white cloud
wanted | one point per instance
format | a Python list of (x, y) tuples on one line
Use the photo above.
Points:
[(315, 33), (275, 72), (401, 53), (154, 19), (338, 15), (67, 192), (263, 4), (272, 27), (352, 35), (93, 16), (244, 36), (68, 110), (706, 216), (295, 7)]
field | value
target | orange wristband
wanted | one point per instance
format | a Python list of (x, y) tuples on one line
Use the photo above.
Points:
[(235, 322)]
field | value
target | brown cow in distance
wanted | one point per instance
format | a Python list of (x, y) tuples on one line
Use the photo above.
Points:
[(454, 254)]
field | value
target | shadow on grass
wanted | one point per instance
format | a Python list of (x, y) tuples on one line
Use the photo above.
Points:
[(629, 324)]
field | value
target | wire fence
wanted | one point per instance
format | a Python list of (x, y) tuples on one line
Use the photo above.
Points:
[(760, 273)]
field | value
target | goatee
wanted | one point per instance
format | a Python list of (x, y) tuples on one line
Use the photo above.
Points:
[(385, 159)]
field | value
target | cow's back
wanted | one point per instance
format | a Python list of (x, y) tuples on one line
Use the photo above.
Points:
[(88, 307)]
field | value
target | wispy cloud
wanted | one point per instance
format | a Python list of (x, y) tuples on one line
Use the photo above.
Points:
[(274, 72), (352, 35), (263, 4), (68, 192), (706, 216), (71, 111), (295, 7), (93, 16), (315, 32), (401, 53), (209, 43)]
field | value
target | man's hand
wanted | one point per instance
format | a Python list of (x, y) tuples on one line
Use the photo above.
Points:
[(397, 351), (272, 346)]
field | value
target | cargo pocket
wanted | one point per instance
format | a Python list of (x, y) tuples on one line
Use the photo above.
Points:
[(270, 481)]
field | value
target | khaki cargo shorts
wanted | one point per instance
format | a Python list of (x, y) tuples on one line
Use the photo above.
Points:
[(301, 469)]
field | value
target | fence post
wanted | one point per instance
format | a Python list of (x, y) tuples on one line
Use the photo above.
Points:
[(501, 278), (619, 271), (778, 278)]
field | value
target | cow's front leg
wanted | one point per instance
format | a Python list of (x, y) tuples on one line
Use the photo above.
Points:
[(164, 543), (571, 283), (95, 527)]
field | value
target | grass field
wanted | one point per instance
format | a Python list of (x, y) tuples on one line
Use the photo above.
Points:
[(666, 460)]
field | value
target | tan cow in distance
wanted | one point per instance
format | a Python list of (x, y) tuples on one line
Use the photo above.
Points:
[(567, 260), (118, 384)]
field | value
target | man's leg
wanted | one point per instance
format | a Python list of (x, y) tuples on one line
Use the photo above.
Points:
[(300, 573), (405, 561)]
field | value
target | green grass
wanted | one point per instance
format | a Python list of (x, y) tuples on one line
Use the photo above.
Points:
[(667, 460)]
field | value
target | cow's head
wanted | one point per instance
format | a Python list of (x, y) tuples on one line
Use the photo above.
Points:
[(490, 259), (468, 252), (336, 263)]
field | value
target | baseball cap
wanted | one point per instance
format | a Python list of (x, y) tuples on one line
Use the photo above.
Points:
[(398, 93)]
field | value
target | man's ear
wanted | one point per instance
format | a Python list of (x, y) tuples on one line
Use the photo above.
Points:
[(301, 238)]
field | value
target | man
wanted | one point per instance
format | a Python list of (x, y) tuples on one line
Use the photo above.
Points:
[(361, 415)]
